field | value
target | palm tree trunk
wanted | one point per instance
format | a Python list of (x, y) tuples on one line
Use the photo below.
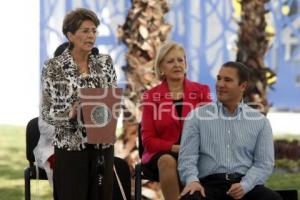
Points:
[(143, 32), (252, 46)]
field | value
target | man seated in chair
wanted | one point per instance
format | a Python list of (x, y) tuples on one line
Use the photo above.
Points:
[(227, 149)]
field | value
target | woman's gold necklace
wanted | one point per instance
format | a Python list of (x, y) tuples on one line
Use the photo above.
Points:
[(83, 71), (84, 74)]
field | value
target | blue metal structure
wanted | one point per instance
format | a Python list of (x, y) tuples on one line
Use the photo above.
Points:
[(110, 12), (284, 54), (207, 30)]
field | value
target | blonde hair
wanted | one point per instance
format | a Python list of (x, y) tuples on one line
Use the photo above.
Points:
[(164, 49)]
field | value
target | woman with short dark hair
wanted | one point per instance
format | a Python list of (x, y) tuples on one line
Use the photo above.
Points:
[(77, 173)]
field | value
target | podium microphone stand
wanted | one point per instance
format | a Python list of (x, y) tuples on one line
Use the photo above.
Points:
[(100, 109)]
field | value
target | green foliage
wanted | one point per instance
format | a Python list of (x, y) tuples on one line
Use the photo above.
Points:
[(289, 137), (288, 165), (279, 181), (12, 164), (13, 161)]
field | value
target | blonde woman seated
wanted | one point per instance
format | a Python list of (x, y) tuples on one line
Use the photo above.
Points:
[(164, 109)]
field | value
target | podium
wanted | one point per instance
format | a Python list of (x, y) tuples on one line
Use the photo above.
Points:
[(100, 109)]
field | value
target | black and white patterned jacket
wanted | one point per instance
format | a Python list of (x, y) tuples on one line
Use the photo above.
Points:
[(61, 81)]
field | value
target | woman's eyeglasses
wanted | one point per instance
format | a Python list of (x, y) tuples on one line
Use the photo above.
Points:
[(87, 31)]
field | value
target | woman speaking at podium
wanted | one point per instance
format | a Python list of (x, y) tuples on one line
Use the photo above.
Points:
[(78, 174)]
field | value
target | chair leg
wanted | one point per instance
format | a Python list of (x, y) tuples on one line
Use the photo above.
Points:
[(138, 182), (27, 183)]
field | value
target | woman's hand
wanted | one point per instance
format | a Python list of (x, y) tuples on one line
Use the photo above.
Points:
[(73, 112), (175, 148), (193, 187)]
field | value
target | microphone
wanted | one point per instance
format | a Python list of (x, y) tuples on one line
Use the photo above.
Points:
[(95, 51)]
